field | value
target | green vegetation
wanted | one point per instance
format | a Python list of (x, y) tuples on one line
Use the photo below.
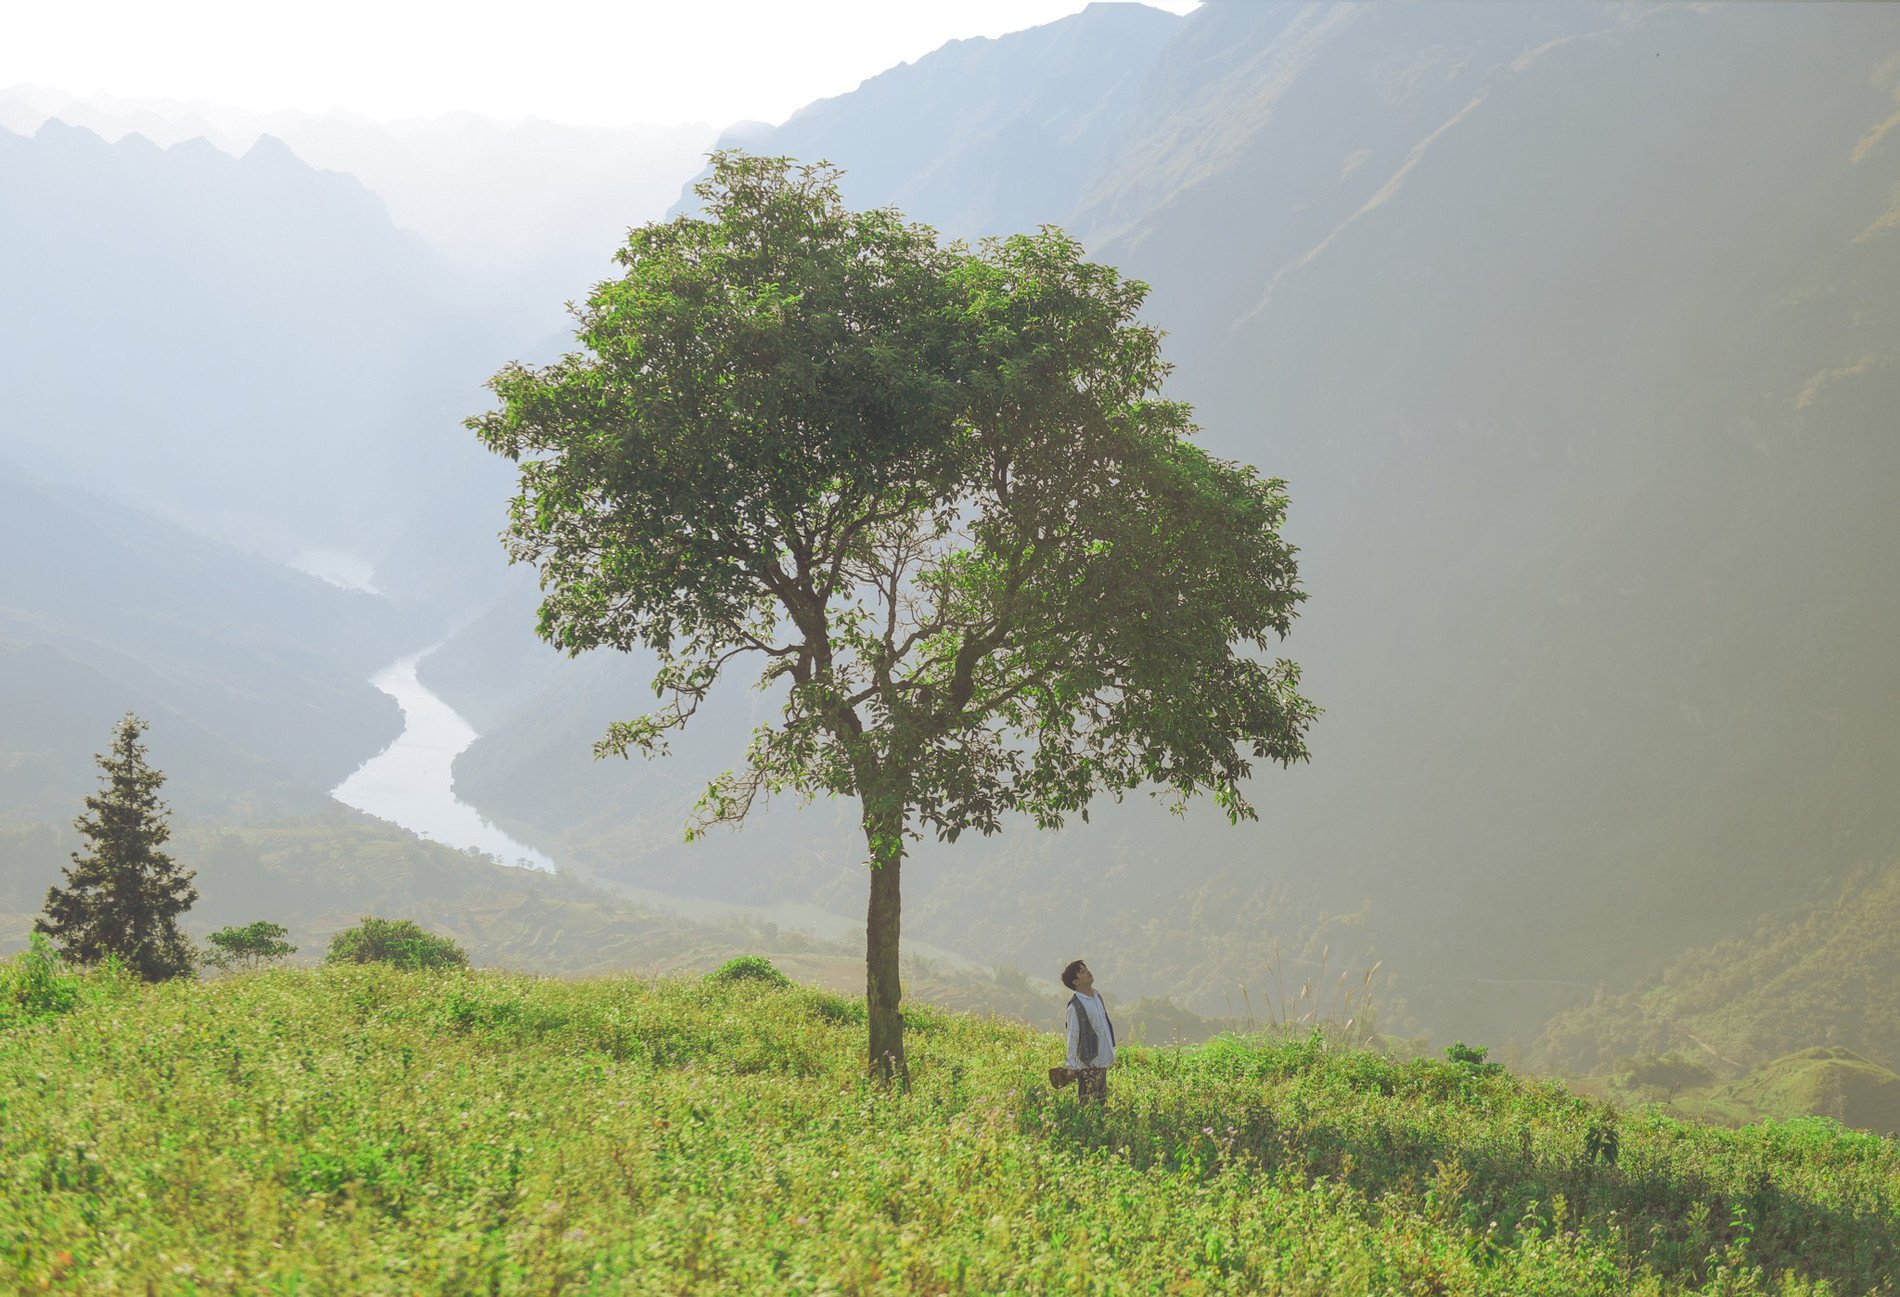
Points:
[(123, 895), (250, 947), (1826, 1082), (36, 984), (936, 490), (1471, 1057), (749, 968), (1817, 975), (1665, 1075), (1823, 1081), (402, 943), (362, 1128), (318, 876)]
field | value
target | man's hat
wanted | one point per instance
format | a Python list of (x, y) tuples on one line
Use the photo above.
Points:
[(1060, 1076)]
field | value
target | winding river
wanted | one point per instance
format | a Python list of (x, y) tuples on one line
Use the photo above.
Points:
[(411, 783)]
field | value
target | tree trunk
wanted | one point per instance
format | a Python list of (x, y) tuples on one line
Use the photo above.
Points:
[(884, 832)]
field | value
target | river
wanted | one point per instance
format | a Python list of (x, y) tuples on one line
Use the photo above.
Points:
[(411, 783)]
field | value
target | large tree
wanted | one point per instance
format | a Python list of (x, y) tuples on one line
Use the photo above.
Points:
[(936, 490), (123, 895)]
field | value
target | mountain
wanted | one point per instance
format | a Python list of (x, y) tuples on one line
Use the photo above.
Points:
[(56, 713), (1573, 330), (536, 201), (253, 674), (1814, 975), (1824, 1082), (245, 343), (983, 136)]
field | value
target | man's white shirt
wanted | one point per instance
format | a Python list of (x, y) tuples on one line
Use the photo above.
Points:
[(1098, 1018)]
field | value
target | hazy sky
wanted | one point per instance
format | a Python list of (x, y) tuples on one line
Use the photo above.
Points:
[(584, 61)]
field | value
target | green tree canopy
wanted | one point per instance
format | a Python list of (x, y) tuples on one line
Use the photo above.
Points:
[(250, 947), (123, 895), (402, 942), (935, 490)]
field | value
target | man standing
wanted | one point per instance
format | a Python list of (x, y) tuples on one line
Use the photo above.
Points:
[(1091, 1035)]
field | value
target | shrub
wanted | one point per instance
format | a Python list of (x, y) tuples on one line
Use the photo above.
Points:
[(1471, 1056), (36, 983), (838, 1011), (748, 968), (249, 947), (394, 941)]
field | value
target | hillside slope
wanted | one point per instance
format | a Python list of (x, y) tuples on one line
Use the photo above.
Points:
[(359, 1129), (56, 714), (241, 648), (322, 872), (1572, 330), (1827, 1082), (1820, 975)]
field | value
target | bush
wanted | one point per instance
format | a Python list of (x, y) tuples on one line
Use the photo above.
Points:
[(1471, 1056), (748, 968), (394, 941), (36, 983), (838, 1011), (249, 947)]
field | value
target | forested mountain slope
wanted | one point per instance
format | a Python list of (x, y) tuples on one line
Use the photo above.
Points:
[(254, 675), (1821, 975), (1577, 349)]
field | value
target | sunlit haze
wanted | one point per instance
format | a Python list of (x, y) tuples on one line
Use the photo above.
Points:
[(579, 61)]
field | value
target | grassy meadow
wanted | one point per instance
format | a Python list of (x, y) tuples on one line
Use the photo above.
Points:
[(364, 1130)]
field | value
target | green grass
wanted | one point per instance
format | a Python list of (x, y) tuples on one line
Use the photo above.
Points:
[(1834, 1082), (364, 1130), (1821, 1081)]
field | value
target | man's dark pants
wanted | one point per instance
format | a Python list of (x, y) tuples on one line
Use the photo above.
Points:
[(1091, 1084)]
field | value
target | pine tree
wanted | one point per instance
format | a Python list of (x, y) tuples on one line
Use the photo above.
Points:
[(124, 895)]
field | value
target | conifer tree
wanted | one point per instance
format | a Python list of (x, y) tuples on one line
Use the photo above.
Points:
[(123, 895)]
